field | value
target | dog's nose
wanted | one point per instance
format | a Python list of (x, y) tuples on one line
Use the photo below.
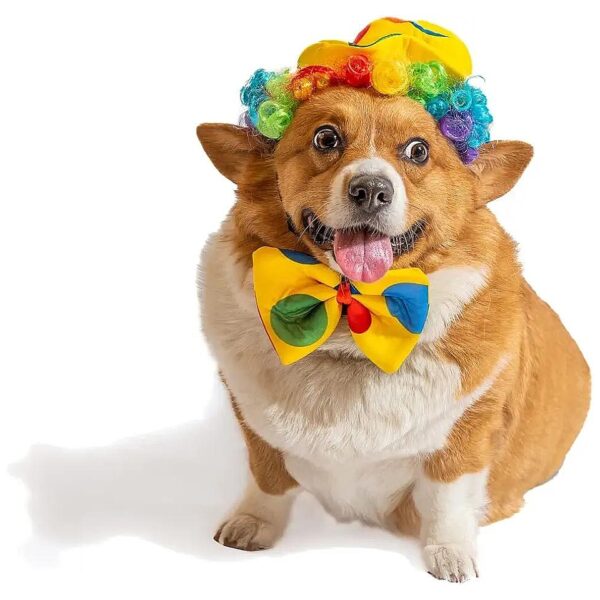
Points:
[(370, 192)]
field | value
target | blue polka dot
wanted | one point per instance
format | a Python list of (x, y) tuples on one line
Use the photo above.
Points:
[(300, 257), (409, 303)]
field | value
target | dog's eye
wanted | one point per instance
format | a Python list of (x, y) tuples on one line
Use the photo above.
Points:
[(417, 151), (326, 138)]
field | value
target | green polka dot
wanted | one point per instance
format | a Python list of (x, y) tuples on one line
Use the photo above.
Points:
[(299, 320)]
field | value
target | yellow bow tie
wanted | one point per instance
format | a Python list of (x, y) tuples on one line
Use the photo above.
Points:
[(300, 303)]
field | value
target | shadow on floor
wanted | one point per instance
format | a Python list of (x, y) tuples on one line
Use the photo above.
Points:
[(170, 487)]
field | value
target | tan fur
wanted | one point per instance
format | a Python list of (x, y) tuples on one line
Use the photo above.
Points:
[(523, 426)]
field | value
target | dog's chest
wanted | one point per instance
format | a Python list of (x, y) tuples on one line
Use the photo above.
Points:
[(358, 489), (352, 435), (349, 433), (340, 410), (361, 464)]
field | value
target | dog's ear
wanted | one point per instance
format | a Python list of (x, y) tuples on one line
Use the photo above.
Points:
[(498, 167), (233, 150)]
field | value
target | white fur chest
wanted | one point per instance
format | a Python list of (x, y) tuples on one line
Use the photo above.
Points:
[(350, 433), (358, 489)]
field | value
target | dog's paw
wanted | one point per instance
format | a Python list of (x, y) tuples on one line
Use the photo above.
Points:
[(451, 562), (246, 532)]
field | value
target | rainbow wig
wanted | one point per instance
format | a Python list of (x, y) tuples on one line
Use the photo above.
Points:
[(393, 57)]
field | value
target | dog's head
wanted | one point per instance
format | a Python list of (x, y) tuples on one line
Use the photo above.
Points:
[(364, 181)]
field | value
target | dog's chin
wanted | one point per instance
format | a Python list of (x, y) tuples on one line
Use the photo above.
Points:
[(362, 252)]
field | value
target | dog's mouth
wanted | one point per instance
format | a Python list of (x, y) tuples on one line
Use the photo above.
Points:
[(362, 253)]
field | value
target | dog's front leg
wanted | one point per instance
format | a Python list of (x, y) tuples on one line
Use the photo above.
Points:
[(450, 514), (260, 517), (258, 520)]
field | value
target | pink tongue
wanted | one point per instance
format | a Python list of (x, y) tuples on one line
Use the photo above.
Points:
[(361, 256)]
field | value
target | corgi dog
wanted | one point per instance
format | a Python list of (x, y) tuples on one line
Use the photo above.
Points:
[(490, 399)]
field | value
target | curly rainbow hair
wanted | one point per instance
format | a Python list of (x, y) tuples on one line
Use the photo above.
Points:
[(460, 109)]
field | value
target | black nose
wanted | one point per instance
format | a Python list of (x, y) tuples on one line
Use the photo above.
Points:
[(370, 192)]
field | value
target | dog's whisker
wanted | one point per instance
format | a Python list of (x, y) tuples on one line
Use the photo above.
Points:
[(303, 232)]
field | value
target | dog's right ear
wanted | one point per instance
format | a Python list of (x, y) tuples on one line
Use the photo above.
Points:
[(233, 150)]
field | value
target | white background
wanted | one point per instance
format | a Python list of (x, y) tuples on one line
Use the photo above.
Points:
[(120, 449)]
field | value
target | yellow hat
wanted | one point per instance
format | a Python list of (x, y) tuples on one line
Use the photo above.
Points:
[(394, 39)]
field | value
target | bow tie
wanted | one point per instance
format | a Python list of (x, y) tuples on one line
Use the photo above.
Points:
[(301, 301)]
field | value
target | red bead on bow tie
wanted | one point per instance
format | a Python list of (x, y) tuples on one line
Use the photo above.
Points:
[(359, 317)]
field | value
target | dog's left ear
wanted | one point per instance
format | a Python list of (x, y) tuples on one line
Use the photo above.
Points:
[(498, 167)]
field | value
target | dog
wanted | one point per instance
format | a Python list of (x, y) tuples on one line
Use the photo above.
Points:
[(486, 405)]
